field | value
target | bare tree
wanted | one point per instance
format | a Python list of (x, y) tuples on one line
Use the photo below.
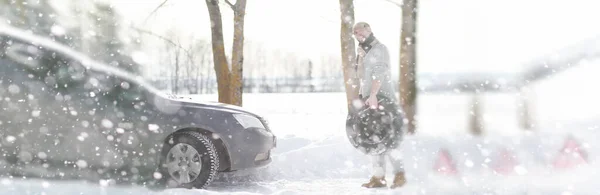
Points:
[(174, 59), (229, 80), (194, 65), (408, 61), (292, 72), (261, 63), (201, 77), (190, 67), (177, 57), (261, 59), (348, 54), (155, 10), (475, 115), (525, 109), (166, 57), (249, 66), (310, 77), (204, 74), (330, 72), (175, 73), (208, 72)]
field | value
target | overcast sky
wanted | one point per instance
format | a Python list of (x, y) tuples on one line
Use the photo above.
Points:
[(453, 36)]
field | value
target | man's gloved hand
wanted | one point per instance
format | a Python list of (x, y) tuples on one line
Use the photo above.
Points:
[(372, 102), (361, 52)]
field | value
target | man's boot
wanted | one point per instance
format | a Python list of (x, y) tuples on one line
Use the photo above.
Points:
[(399, 180), (375, 182)]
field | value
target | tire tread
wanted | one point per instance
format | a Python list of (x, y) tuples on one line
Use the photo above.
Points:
[(212, 153)]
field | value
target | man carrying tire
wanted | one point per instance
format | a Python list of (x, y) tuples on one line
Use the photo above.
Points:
[(375, 79)]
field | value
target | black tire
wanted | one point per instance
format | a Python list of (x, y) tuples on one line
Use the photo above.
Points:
[(208, 155), (376, 131)]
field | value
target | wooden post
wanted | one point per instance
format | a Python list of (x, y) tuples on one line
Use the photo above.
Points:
[(476, 123), (525, 109)]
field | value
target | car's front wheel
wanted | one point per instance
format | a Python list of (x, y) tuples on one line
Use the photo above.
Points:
[(188, 160)]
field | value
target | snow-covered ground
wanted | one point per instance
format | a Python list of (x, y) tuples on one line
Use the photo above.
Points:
[(314, 157)]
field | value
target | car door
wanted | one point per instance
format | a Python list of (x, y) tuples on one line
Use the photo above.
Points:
[(38, 112), (58, 113)]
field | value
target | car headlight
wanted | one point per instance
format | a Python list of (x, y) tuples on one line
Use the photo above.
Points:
[(265, 123), (248, 121)]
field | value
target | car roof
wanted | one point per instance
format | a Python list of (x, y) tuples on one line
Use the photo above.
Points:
[(89, 63)]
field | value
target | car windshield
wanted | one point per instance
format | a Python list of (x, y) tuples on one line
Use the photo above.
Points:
[(71, 67)]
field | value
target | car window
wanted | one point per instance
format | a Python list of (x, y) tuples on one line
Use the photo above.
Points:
[(31, 57), (68, 76), (68, 72), (112, 89), (55, 70), (129, 91)]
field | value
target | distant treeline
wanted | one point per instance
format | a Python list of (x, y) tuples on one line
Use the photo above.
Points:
[(452, 83)]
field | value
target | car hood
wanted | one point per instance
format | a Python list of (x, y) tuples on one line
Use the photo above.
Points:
[(189, 101)]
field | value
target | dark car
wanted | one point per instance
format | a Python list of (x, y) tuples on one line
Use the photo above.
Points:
[(66, 116)]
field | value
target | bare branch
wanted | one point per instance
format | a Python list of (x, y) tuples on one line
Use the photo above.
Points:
[(394, 2), (155, 10), (187, 52), (230, 5), (326, 19)]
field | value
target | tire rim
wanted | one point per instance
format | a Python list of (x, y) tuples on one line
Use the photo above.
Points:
[(184, 163)]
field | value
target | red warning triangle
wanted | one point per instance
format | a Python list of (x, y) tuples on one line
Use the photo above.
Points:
[(570, 155), (505, 163), (444, 163)]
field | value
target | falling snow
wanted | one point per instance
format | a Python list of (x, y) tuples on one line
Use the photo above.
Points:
[(10, 138), (74, 115), (157, 175), (14, 89), (35, 113), (6, 181), (469, 163), (42, 155), (520, 170), (107, 123), (82, 164), (45, 184), (153, 127)]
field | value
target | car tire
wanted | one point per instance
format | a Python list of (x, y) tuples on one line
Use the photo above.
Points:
[(207, 161), (376, 131)]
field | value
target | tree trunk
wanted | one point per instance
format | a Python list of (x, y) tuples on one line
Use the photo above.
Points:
[(188, 73), (207, 75), (176, 74), (475, 116), (348, 54), (200, 66), (408, 87), (218, 46), (237, 60), (526, 109)]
